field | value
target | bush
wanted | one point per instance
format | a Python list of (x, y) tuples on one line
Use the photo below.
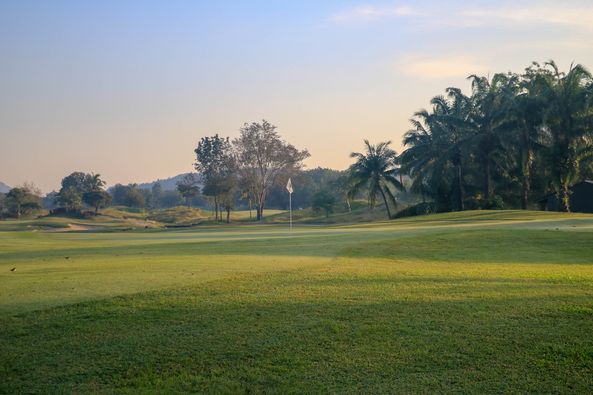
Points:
[(417, 209), (493, 203)]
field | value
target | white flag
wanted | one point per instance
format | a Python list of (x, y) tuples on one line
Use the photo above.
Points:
[(289, 186)]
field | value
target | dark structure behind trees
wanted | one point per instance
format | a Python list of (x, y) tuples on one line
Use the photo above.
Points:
[(580, 199)]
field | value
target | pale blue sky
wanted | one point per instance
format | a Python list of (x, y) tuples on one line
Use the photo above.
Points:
[(127, 88)]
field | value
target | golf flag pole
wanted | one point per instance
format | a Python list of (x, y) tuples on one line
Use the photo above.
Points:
[(289, 189)]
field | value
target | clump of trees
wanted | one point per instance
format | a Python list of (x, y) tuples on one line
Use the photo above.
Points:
[(324, 201), (188, 188), (79, 189), (307, 183), (216, 162), (19, 201), (129, 195), (514, 139), (249, 166)]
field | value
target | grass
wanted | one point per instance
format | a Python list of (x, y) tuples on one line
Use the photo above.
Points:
[(475, 302), (359, 213)]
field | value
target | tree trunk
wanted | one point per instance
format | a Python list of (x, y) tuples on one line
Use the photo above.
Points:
[(526, 164), (215, 208), (487, 179), (385, 200), (525, 194), (258, 215), (564, 198), (228, 216), (260, 205), (460, 196)]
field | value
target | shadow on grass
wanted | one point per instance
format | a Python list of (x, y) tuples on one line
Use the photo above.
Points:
[(280, 334), (479, 246)]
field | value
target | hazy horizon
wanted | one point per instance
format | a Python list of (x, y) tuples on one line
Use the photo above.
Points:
[(126, 89)]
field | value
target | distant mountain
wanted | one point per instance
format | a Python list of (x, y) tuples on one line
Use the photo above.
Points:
[(168, 184), (4, 188)]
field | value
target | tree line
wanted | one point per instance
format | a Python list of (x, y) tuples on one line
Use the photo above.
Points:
[(514, 139)]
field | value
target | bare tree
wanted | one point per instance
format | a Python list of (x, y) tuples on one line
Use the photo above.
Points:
[(263, 156)]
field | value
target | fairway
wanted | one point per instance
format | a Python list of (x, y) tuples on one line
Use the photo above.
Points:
[(476, 302)]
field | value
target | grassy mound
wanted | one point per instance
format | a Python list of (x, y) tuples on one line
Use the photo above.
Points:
[(360, 213), (178, 216)]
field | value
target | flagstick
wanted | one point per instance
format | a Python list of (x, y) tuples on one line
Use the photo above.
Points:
[(289, 189)]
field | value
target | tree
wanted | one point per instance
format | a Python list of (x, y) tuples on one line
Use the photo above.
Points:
[(118, 194), (491, 106), (70, 199), (188, 188), (227, 196), (569, 120), (216, 163), (78, 188), (23, 200), (127, 195), (2, 204), (97, 198), (170, 199), (436, 147), (263, 156), (77, 180), (376, 170), (134, 197), (93, 182), (323, 200), (157, 194), (528, 113)]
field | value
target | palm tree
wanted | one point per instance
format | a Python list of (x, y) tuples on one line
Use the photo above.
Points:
[(94, 182), (491, 101), (376, 170), (527, 134), (436, 144), (569, 120)]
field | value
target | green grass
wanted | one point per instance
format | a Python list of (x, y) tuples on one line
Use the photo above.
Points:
[(474, 302)]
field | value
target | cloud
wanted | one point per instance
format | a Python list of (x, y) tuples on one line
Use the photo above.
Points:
[(558, 14), (440, 68), (366, 13), (563, 14)]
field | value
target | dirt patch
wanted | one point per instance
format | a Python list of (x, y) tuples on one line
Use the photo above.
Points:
[(71, 228)]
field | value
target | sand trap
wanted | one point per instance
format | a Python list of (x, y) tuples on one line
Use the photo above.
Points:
[(71, 228)]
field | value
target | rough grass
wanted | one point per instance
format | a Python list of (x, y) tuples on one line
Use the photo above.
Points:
[(360, 213), (477, 302), (180, 216)]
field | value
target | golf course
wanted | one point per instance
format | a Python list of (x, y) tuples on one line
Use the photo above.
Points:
[(472, 302)]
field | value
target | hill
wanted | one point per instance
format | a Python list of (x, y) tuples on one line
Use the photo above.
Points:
[(168, 184), (4, 188)]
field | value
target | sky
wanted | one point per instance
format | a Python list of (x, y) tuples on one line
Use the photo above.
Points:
[(127, 88)]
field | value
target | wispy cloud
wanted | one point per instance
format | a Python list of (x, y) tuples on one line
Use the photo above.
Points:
[(441, 67), (366, 13), (564, 14)]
